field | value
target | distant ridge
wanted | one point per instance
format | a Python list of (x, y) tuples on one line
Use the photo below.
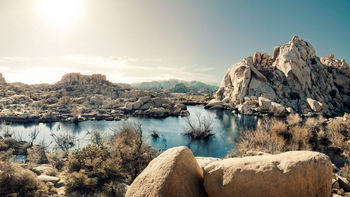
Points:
[(177, 86)]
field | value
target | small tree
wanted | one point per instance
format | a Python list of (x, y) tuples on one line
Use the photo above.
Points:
[(64, 141), (34, 134)]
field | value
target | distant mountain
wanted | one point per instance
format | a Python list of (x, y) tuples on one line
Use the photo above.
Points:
[(177, 86)]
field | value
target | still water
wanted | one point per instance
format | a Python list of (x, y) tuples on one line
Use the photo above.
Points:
[(226, 126)]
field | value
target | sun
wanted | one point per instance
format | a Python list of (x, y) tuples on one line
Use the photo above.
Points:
[(60, 13)]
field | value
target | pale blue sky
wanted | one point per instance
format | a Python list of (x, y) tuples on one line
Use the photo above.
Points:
[(132, 41)]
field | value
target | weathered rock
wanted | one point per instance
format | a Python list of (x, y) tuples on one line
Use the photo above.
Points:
[(46, 178), (264, 103), (315, 105), (173, 173), (256, 58), (297, 173), (344, 183), (293, 74), (43, 169), (277, 109), (204, 161)]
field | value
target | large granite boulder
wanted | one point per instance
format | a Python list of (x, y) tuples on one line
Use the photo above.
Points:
[(292, 75), (173, 173), (296, 173)]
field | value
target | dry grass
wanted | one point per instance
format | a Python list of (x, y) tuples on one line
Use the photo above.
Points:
[(260, 140), (294, 119), (300, 138), (331, 137)]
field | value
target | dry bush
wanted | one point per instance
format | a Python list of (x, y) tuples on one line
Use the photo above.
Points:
[(279, 129), (294, 119), (37, 155), (128, 145), (259, 140), (200, 127), (91, 168), (300, 139), (17, 181)]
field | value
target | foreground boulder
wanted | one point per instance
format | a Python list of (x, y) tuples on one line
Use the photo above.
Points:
[(296, 173), (174, 173)]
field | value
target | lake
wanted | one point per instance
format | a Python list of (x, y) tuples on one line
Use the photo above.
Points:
[(226, 126)]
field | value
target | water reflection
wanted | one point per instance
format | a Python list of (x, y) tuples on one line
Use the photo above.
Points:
[(227, 127)]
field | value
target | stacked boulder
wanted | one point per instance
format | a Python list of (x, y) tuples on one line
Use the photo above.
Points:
[(294, 79), (176, 172)]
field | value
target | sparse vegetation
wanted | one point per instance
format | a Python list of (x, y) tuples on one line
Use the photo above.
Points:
[(91, 168), (200, 127), (17, 181), (129, 146), (274, 136)]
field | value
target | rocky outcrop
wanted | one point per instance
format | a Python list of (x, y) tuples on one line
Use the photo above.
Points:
[(298, 173), (78, 97), (173, 173), (290, 77)]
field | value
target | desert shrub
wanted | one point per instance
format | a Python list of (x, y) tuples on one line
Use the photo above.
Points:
[(80, 182), (200, 127), (115, 189), (294, 119), (17, 181), (300, 139), (345, 171), (97, 164), (37, 155), (96, 138), (259, 140), (135, 155), (6, 153), (57, 160)]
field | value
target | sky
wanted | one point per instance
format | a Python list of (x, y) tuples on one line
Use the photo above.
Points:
[(132, 41)]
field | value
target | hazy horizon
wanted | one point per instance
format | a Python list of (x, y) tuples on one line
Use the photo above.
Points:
[(132, 42)]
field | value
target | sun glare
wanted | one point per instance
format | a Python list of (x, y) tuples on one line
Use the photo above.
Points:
[(60, 13)]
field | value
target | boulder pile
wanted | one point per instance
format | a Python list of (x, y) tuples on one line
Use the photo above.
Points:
[(176, 172), (293, 79)]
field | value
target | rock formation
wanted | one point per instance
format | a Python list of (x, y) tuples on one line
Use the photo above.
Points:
[(294, 78), (78, 97), (177, 173), (173, 173)]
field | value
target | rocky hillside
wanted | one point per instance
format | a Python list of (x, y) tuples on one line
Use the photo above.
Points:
[(293, 79), (177, 86)]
